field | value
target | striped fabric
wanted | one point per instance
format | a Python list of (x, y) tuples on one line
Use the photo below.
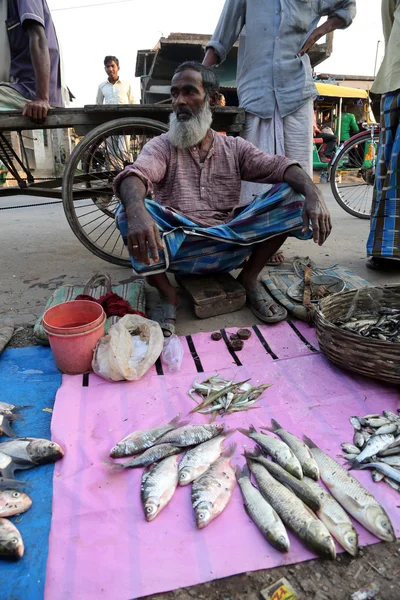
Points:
[(384, 237), (190, 249)]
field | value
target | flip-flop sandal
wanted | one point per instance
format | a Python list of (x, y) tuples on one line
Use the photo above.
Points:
[(161, 313), (274, 263), (258, 295), (376, 263)]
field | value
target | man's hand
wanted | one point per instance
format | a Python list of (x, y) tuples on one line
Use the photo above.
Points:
[(143, 236), (36, 110), (316, 211), (329, 25)]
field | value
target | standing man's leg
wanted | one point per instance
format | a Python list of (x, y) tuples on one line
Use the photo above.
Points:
[(298, 134)]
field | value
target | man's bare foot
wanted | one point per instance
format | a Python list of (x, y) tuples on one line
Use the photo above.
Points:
[(277, 258)]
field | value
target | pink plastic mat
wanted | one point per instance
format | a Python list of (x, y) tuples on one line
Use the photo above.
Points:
[(100, 544)]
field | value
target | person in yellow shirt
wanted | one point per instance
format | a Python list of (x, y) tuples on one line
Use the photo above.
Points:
[(383, 245)]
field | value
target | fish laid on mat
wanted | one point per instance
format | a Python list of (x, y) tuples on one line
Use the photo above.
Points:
[(197, 460), (353, 496), (10, 409), (212, 491), (261, 512), (11, 484), (375, 444), (5, 424), (387, 470), (13, 502), (298, 486), (274, 447), (191, 435), (11, 543), (136, 442), (301, 451), (158, 486), (148, 457), (335, 518), (294, 513), (26, 453)]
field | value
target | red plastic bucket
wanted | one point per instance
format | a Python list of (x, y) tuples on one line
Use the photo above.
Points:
[(73, 317), (73, 353), (73, 329)]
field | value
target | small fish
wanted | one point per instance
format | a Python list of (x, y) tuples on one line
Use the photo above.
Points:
[(375, 444), (274, 447), (11, 543), (377, 476), (148, 457), (353, 496), (197, 460), (141, 440), (191, 435), (335, 518), (393, 461), (301, 451), (356, 423), (391, 416), (350, 448), (158, 486), (301, 489), (13, 502), (212, 491), (10, 484), (5, 427), (377, 422), (35, 450), (358, 439), (10, 409), (390, 452), (390, 428), (387, 470), (294, 514), (261, 512), (393, 484), (350, 457)]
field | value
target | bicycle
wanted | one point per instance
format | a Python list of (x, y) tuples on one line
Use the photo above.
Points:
[(352, 171)]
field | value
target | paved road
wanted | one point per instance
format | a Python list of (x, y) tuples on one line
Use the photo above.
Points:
[(39, 252)]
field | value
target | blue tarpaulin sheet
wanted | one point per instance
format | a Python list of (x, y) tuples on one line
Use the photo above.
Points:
[(28, 376)]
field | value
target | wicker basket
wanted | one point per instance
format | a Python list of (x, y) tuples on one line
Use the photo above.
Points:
[(366, 356)]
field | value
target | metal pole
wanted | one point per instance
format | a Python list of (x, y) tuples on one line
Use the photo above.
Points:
[(376, 55), (340, 121)]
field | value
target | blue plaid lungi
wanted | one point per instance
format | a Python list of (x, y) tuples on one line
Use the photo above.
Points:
[(384, 237), (191, 249)]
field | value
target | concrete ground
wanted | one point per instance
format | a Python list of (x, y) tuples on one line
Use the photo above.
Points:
[(39, 252)]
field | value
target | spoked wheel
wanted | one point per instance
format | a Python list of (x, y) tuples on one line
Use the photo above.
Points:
[(88, 199), (353, 175)]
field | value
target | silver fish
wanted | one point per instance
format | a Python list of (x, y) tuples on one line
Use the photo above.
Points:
[(375, 444), (335, 518), (197, 460), (377, 422), (356, 423), (10, 409), (212, 491), (191, 435), (350, 457), (13, 502), (393, 484), (358, 439), (5, 424), (301, 489), (11, 543), (390, 428), (149, 456), (301, 451), (353, 496), (393, 461), (261, 512), (158, 486), (35, 450), (274, 447), (350, 448), (295, 515), (387, 470), (142, 439), (391, 416), (377, 476)]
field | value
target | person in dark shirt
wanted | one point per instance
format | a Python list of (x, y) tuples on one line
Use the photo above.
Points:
[(30, 65)]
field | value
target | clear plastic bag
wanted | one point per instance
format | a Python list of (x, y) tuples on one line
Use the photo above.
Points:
[(172, 353)]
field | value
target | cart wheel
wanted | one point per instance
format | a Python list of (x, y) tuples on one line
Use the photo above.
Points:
[(88, 200), (352, 175)]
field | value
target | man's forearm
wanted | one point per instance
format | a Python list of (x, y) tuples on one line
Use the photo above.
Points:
[(211, 58), (298, 179), (40, 57), (330, 25), (132, 193)]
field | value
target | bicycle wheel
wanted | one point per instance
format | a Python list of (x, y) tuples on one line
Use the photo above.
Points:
[(352, 175), (88, 200)]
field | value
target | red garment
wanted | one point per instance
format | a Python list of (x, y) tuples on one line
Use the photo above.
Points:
[(113, 305)]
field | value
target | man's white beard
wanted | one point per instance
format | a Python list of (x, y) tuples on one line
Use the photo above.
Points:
[(184, 134)]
